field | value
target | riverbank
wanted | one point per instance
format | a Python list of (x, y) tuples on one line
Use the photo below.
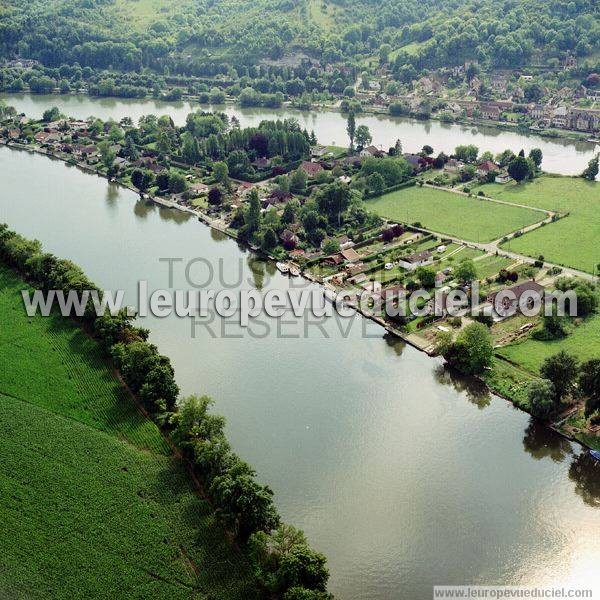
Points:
[(135, 520), (548, 134), (562, 156), (338, 422), (511, 377)]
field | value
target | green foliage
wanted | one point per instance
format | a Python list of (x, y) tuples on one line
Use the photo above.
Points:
[(92, 449), (376, 184), (269, 240), (285, 563), (331, 246), (562, 370), (221, 171), (472, 351), (394, 170), (591, 171), (467, 153), (242, 504), (51, 114), (535, 154), (589, 385), (519, 168), (426, 276), (351, 129), (363, 136), (298, 181), (541, 396), (466, 271)]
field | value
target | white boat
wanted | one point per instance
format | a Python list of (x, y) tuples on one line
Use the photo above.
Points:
[(283, 267), (294, 272)]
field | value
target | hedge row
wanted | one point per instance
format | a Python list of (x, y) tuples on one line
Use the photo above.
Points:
[(290, 570), (393, 188)]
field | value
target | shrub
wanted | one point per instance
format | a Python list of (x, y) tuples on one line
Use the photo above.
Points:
[(541, 395)]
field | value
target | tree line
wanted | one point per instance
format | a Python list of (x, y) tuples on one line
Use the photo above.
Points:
[(284, 563)]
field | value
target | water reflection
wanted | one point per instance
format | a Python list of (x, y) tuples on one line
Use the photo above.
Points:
[(585, 472), (218, 236), (142, 208), (257, 269), (112, 194), (395, 343), (541, 442), (174, 215), (476, 391)]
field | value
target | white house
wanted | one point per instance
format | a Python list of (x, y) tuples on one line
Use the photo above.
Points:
[(420, 259), (502, 178)]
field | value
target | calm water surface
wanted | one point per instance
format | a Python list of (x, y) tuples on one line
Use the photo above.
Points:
[(404, 476), (560, 156)]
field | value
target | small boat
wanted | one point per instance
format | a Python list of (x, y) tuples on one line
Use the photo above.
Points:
[(283, 267), (294, 272), (595, 454)]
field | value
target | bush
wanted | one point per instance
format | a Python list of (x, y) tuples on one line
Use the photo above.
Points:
[(541, 395), (472, 351)]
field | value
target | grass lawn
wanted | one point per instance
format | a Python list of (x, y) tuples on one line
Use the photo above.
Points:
[(572, 241), (91, 497), (583, 342), (491, 265), (465, 254), (452, 214)]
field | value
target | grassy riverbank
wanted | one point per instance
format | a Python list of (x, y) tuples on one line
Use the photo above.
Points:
[(92, 495)]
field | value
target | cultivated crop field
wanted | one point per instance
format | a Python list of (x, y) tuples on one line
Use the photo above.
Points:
[(90, 495), (572, 241), (453, 214)]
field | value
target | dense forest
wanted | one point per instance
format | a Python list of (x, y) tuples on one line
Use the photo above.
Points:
[(207, 37)]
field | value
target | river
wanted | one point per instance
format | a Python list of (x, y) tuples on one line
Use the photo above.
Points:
[(403, 475), (562, 156)]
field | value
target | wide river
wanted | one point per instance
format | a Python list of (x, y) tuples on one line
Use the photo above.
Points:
[(403, 475), (560, 156)]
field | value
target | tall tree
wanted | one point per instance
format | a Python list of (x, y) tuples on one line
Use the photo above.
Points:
[(591, 172), (351, 129), (561, 369), (519, 168), (363, 136), (535, 154)]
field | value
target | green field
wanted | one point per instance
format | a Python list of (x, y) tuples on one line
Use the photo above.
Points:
[(91, 496), (583, 342), (491, 266), (572, 241), (452, 214)]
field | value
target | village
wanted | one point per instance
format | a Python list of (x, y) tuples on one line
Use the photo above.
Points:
[(501, 97), (318, 214)]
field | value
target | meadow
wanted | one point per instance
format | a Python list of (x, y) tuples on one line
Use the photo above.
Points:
[(91, 496), (583, 342), (452, 214), (572, 241)]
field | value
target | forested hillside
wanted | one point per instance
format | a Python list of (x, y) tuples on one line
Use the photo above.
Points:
[(201, 37)]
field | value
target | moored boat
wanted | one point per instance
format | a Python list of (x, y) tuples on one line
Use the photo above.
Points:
[(294, 271), (283, 267)]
